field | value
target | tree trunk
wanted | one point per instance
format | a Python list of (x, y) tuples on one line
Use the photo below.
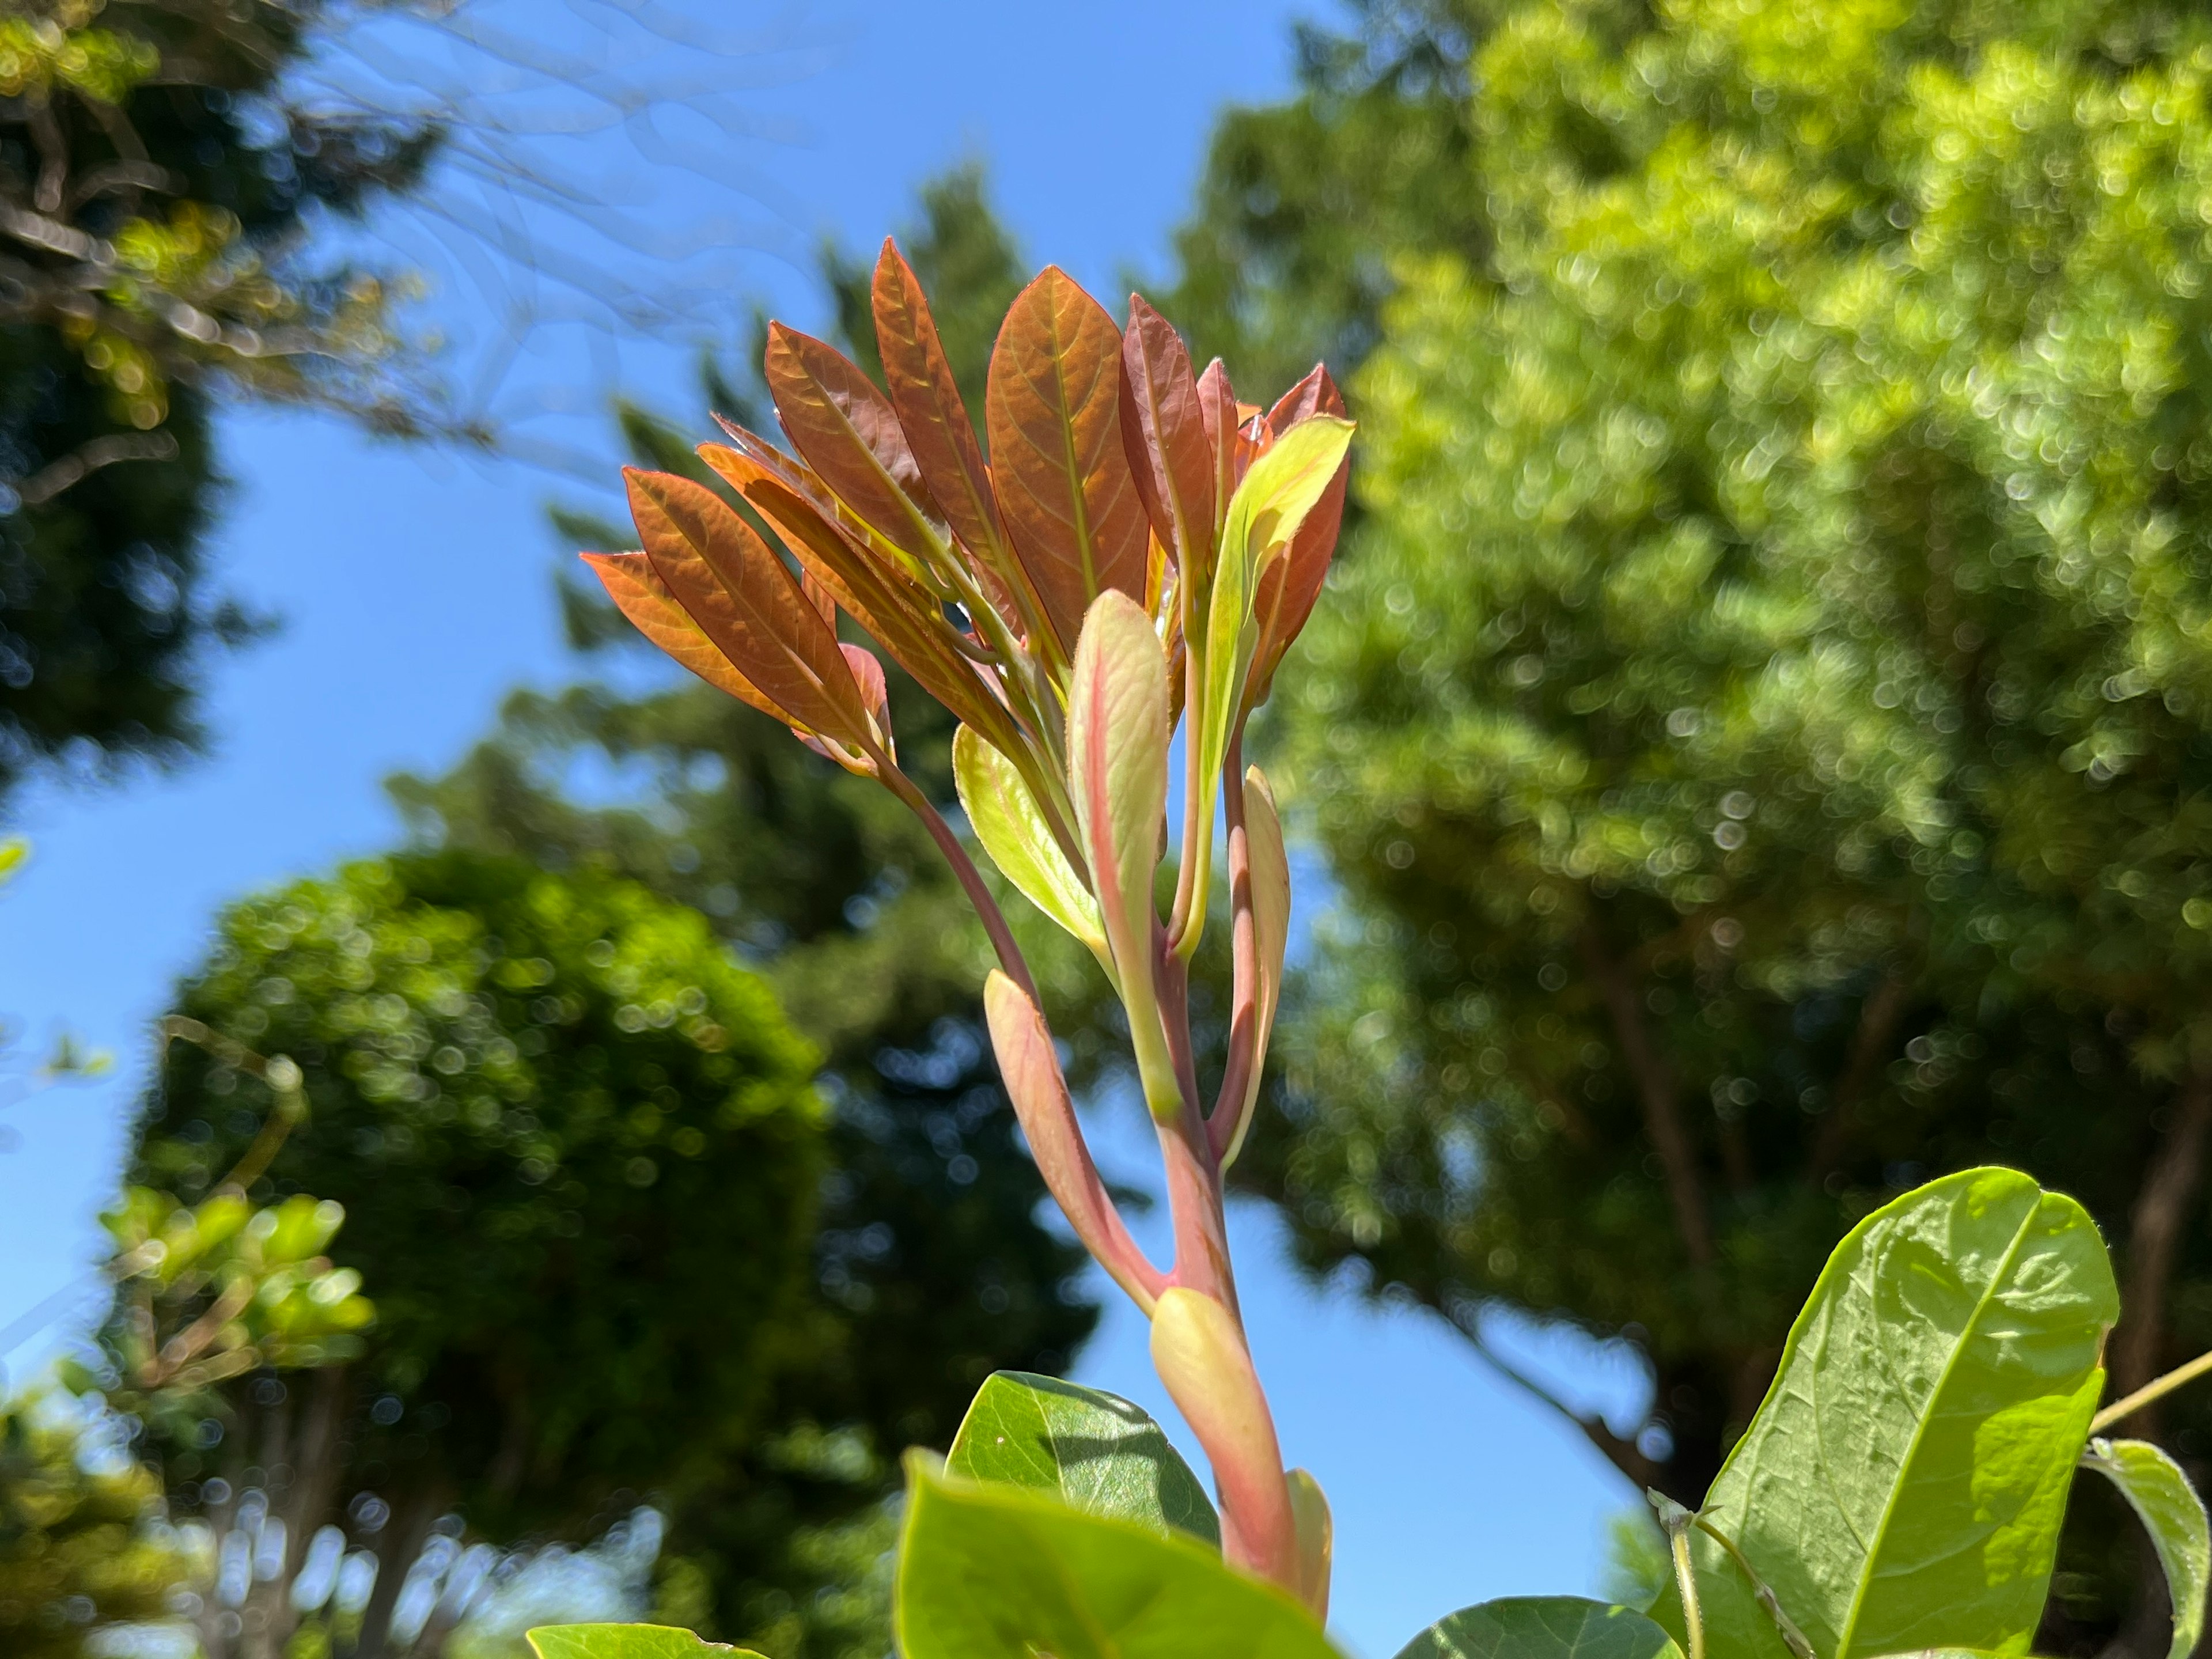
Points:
[(1654, 1089), (2155, 1234)]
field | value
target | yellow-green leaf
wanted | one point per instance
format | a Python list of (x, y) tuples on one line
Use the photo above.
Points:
[(1006, 819), (1902, 1486), (2173, 1515)]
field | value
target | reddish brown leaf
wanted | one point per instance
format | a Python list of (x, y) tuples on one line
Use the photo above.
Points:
[(1316, 394), (1230, 445), (642, 597), (928, 401), (1058, 470), (745, 600), (943, 438), (1165, 434), (1291, 585), (846, 430), (899, 615)]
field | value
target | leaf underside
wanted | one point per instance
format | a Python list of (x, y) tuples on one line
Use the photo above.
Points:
[(1542, 1627), (1902, 1486), (624, 1641), (2173, 1515)]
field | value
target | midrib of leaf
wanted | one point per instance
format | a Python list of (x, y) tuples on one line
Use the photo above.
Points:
[(1072, 464), (1850, 1630)]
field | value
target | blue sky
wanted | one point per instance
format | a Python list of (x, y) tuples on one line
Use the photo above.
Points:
[(413, 591)]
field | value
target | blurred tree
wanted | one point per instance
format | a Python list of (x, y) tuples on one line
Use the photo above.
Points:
[(157, 190), (580, 1150), (931, 1267), (1287, 257), (81, 1543), (1762, 728)]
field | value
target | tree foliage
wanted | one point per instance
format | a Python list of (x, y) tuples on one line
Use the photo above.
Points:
[(157, 191), (580, 1152), (1761, 731)]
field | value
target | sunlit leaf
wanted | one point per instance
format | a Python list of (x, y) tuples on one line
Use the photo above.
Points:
[(992, 1572), (1117, 759), (1092, 1451), (1007, 820), (1164, 433), (1281, 487), (623, 1642), (846, 430), (1951, 1345), (2173, 1515), (638, 591), (746, 600), (1268, 869), (1059, 472), (1288, 588), (927, 397), (1542, 1627)]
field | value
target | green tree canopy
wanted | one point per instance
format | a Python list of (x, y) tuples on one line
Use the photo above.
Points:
[(1761, 729), (157, 188), (578, 1150)]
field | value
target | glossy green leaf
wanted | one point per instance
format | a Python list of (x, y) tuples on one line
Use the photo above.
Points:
[(623, 1642), (1542, 1627), (1006, 819), (1094, 1452), (1117, 764), (2173, 1515), (989, 1571), (1903, 1484)]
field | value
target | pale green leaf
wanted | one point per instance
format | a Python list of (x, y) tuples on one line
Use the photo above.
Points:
[(1542, 1627), (623, 1642), (1094, 1452), (1005, 818), (1902, 1486), (2173, 1515), (1117, 764), (989, 1572), (1278, 491)]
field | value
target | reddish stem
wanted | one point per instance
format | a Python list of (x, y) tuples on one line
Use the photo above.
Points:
[(963, 869)]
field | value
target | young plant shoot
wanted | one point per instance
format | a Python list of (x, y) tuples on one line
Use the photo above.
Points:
[(1135, 557)]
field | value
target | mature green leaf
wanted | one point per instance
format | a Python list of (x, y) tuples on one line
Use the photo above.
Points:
[(1005, 818), (1903, 1484), (2173, 1515), (986, 1571), (621, 1642), (1542, 1627), (1094, 1452)]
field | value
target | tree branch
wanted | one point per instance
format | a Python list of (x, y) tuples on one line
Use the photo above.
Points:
[(1623, 1454), (2154, 1230), (50, 480), (1871, 1047), (1655, 1088)]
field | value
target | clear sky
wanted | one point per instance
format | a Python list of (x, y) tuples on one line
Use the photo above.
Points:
[(413, 591)]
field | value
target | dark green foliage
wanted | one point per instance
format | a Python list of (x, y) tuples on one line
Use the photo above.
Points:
[(578, 1149), (163, 161)]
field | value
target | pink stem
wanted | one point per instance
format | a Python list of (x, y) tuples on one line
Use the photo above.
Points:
[(1244, 982), (963, 869)]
